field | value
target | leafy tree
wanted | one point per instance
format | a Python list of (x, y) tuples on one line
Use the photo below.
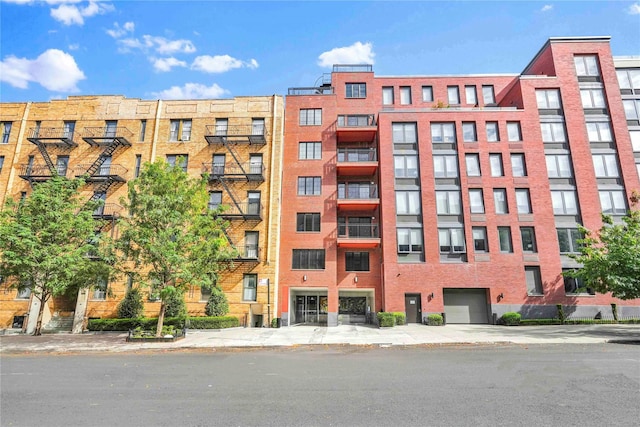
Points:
[(217, 304), (131, 305), (170, 237), (611, 257), (46, 240), (176, 306)]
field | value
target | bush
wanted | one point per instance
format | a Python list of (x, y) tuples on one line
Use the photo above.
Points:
[(510, 318), (435, 320), (151, 323), (400, 318), (275, 323), (131, 306), (534, 322), (175, 305), (614, 310), (219, 322), (217, 304), (560, 313), (386, 320)]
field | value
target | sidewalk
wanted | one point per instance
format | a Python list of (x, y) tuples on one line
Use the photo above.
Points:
[(412, 334)]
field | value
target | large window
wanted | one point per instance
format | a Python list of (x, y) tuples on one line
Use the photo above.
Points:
[(553, 132), (586, 65), (575, 286), (631, 108), (308, 222), (448, 202), (215, 199), (407, 202), (222, 126), (387, 95), (443, 132), (592, 98), (605, 165), (523, 201), (451, 240), (308, 259), (470, 94), (488, 95), (635, 139), (599, 132), (357, 261), (180, 130), (309, 186), (528, 236), (453, 95), (629, 79), (405, 95), (404, 133), (427, 94), (257, 126), (534, 280), (69, 128), (310, 150), (495, 161), (6, 132), (356, 90), (613, 202), (504, 237), (514, 132), (179, 160), (100, 289), (518, 164), (500, 200), (493, 134), (406, 166), (548, 98), (310, 116), (409, 240), (476, 201), (564, 202), (558, 166), (473, 164), (480, 243), (568, 240), (469, 132), (445, 166), (249, 287)]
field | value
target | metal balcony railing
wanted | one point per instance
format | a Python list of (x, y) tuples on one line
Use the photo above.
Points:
[(236, 130), (104, 171), (106, 132), (357, 155), (245, 209), (358, 231), (108, 210), (320, 90), (50, 133), (357, 191), (353, 68), (248, 252), (249, 171), (357, 120), (40, 170)]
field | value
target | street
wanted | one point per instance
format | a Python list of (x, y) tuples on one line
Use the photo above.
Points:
[(474, 385)]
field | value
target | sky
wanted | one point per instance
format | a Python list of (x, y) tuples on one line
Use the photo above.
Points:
[(51, 49)]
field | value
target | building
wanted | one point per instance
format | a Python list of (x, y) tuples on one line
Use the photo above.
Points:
[(236, 141), (455, 194), (628, 72)]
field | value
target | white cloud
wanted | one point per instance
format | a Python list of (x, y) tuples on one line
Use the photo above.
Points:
[(220, 63), (357, 53), (634, 9), (117, 31), (546, 8), (159, 44), (69, 14), (192, 91), (53, 69), (165, 64), (74, 46)]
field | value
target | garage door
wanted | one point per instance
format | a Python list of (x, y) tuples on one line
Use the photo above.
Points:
[(466, 305)]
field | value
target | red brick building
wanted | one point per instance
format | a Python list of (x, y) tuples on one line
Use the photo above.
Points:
[(452, 194)]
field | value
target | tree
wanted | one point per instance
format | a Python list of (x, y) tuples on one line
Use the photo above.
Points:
[(170, 237), (46, 240), (131, 305), (217, 304), (611, 257)]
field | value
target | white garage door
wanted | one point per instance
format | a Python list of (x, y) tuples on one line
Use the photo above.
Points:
[(466, 305)]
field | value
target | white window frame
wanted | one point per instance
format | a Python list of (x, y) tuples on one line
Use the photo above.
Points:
[(448, 202), (387, 95), (480, 236), (443, 132), (548, 99), (472, 163), (445, 166), (453, 239), (453, 95), (564, 202), (586, 65), (553, 132), (476, 200), (488, 95), (495, 163), (469, 133), (631, 109), (605, 165), (405, 166), (408, 202), (592, 98), (523, 201), (493, 131), (558, 166), (599, 132), (409, 240), (613, 202), (501, 204), (404, 133), (518, 165), (427, 93), (514, 131), (405, 95), (471, 95)]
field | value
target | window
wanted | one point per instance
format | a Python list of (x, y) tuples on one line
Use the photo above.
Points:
[(6, 131), (504, 236), (308, 222), (448, 202), (308, 259), (100, 289), (357, 190), (513, 131), (528, 236), (69, 128), (180, 130), (407, 202), (387, 96), (473, 164), (310, 116), (451, 240), (453, 94), (427, 94), (1, 163), (138, 164), (180, 160), (492, 132), (218, 164), (553, 132), (215, 200), (249, 287), (443, 132), (205, 293), (222, 127), (111, 128), (631, 109), (24, 292), (404, 133), (257, 126), (359, 227), (310, 150), (143, 130), (406, 166), (548, 98), (613, 202), (599, 132), (309, 186), (129, 284), (523, 201), (357, 261), (495, 161), (62, 163), (533, 279), (629, 79), (480, 243), (255, 164), (476, 200), (605, 165), (405, 95), (558, 166), (470, 94), (487, 94), (253, 202), (445, 166), (592, 98), (409, 240), (575, 285), (568, 240), (500, 200), (518, 164), (564, 202), (251, 239), (635, 139), (586, 65), (356, 90), (469, 132)]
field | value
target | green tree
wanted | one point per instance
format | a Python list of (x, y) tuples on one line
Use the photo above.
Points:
[(176, 306), (46, 241), (610, 258), (170, 237), (131, 305), (217, 304)]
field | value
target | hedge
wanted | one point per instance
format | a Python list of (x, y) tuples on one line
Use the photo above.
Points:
[(386, 320), (435, 319), (151, 323), (399, 317), (510, 318), (214, 322)]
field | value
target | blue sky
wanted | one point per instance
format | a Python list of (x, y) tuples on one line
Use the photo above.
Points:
[(210, 49)]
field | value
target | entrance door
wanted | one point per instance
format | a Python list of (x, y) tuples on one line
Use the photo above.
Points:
[(413, 308), (306, 309)]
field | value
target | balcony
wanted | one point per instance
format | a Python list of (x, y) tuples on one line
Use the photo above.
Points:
[(357, 161), (356, 128), (107, 135), (247, 253), (108, 211), (106, 172), (354, 196), (52, 136), (358, 235), (320, 90), (245, 210), (40, 173), (248, 134), (242, 172), (353, 68)]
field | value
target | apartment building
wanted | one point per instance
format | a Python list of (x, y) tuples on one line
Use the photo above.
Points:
[(455, 194), (238, 142)]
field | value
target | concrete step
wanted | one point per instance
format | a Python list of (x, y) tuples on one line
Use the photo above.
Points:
[(59, 324)]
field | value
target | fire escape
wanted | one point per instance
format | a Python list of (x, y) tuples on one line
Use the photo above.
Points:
[(46, 139)]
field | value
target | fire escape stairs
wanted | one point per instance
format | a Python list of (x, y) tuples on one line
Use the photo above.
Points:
[(106, 153)]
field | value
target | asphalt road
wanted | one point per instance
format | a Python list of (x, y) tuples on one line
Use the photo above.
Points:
[(515, 385)]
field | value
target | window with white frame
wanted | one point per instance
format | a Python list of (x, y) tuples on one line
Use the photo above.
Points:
[(470, 95), (523, 201), (514, 133), (222, 126), (500, 200), (445, 166), (605, 165), (518, 165), (427, 94), (635, 139), (528, 237), (310, 116), (257, 126), (443, 132), (592, 98), (309, 185), (568, 240), (6, 132), (409, 240), (631, 108), (564, 202), (480, 243), (493, 134), (488, 95), (407, 202), (356, 90), (495, 161), (406, 166), (533, 280), (586, 65), (448, 202), (558, 166), (613, 202), (24, 292), (453, 95), (553, 132), (469, 133), (405, 95), (476, 201), (387, 95), (472, 161), (599, 132), (404, 133), (180, 130), (629, 79), (451, 240), (548, 98), (504, 238), (249, 287), (310, 150)]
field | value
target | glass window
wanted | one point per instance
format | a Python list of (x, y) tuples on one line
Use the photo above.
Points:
[(631, 108), (487, 94), (180, 130), (605, 165), (308, 259), (613, 202), (406, 166), (179, 160), (443, 132), (504, 236), (635, 139), (534, 281), (357, 261), (427, 94), (407, 202), (310, 150), (310, 116), (1, 163), (409, 240), (568, 240), (629, 79), (451, 240), (469, 132), (69, 128), (445, 166), (249, 287), (564, 202), (558, 166), (528, 237), (6, 132), (500, 200), (100, 289), (480, 243), (387, 96), (453, 93), (574, 285), (143, 130), (257, 126), (222, 126), (215, 199), (356, 90), (518, 165), (523, 201), (448, 202), (592, 98), (586, 65), (470, 94), (205, 294), (309, 186), (404, 133), (513, 131), (548, 98), (599, 132), (553, 132), (405, 95), (308, 222), (473, 164), (492, 132), (24, 292), (495, 160), (476, 200)]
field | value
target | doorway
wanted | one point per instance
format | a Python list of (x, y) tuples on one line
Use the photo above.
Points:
[(413, 308)]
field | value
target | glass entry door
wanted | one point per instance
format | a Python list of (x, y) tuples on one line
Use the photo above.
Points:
[(306, 309)]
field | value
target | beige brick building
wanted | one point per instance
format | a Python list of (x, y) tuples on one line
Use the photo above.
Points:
[(237, 141)]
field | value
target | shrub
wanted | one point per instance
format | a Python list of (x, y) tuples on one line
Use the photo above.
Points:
[(614, 310), (175, 305), (145, 323), (386, 320), (217, 304), (435, 320), (399, 317), (131, 306), (220, 322), (275, 323), (532, 322), (510, 318), (560, 313)]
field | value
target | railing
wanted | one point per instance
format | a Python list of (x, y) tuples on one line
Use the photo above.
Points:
[(247, 170), (358, 231), (243, 209), (41, 170), (357, 155), (353, 68), (248, 252), (357, 191), (50, 133), (108, 210), (237, 130), (103, 171), (323, 90), (106, 132), (357, 120)]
